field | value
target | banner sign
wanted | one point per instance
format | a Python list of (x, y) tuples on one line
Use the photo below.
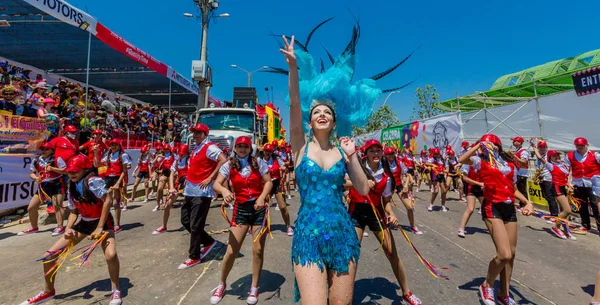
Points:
[(66, 13), (535, 194), (182, 81), (438, 131), (19, 132), (587, 81)]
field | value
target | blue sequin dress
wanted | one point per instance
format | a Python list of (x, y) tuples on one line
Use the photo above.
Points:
[(324, 234)]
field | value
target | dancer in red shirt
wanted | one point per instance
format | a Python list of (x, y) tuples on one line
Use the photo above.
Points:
[(277, 170), (437, 166), (142, 172), (454, 174), (497, 173), (87, 195), (117, 163), (46, 171), (89, 147), (422, 171), (560, 183), (585, 171), (473, 190), (376, 211), (179, 170), (251, 185)]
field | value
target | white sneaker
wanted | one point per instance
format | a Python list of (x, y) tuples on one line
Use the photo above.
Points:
[(288, 197), (416, 231), (430, 208), (217, 294), (124, 209), (461, 233), (252, 296), (277, 208), (155, 209), (115, 298), (444, 208), (290, 231), (365, 234), (145, 200)]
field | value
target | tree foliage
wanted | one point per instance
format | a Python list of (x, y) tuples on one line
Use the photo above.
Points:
[(424, 105), (383, 118)]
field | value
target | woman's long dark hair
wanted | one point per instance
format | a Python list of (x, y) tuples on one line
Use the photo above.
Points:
[(385, 163), (87, 196), (235, 163), (505, 155)]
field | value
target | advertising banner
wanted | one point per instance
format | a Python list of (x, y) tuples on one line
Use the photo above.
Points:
[(587, 81), (120, 44), (535, 194), (21, 133), (16, 188), (438, 131), (182, 81), (66, 13)]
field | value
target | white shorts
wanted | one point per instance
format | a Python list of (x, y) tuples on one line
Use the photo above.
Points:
[(596, 185)]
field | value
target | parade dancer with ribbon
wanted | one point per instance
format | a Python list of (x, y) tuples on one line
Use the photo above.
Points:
[(410, 163), (251, 184), (117, 163), (437, 166), (142, 173), (376, 211), (276, 170), (473, 190), (177, 178), (560, 188), (497, 173), (585, 171), (89, 147), (167, 160), (88, 197), (46, 171), (521, 162), (544, 178), (422, 170), (205, 162), (454, 174), (398, 167), (156, 170)]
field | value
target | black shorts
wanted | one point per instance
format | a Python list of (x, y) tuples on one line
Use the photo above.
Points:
[(399, 188), (87, 227), (440, 178), (362, 215), (290, 169), (411, 171), (276, 186), (52, 187), (111, 181), (166, 172), (505, 211), (559, 190), (472, 190), (143, 175), (180, 184), (245, 214)]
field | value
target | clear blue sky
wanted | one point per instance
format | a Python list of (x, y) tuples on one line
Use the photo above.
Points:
[(467, 44)]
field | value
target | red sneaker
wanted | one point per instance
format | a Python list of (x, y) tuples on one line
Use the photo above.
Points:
[(189, 263), (58, 231), (558, 233), (411, 299), (487, 295), (28, 231), (115, 298), (118, 229), (253, 296), (40, 298), (159, 230), (217, 294), (50, 209)]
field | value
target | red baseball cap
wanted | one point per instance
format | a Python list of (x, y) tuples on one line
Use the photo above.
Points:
[(243, 140), (388, 151), (113, 141), (580, 141), (70, 129), (46, 145), (200, 128), (465, 144), (450, 152), (518, 139), (183, 150), (542, 143), (78, 163), (268, 147), (372, 142), (552, 153), (97, 131), (490, 137), (275, 143)]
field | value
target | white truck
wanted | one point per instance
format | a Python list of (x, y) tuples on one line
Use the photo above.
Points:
[(226, 124)]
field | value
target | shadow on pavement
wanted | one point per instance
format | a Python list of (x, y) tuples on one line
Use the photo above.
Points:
[(279, 227), (102, 286), (6, 235), (130, 226), (370, 291), (270, 285), (474, 284), (474, 230), (589, 289)]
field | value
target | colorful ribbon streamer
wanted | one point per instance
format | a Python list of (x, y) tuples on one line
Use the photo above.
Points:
[(224, 213), (433, 270), (265, 226), (57, 257), (87, 251), (490, 153), (575, 203)]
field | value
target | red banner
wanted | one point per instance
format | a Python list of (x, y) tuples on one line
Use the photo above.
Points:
[(118, 43)]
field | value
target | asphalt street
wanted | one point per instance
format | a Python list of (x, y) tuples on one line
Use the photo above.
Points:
[(548, 270)]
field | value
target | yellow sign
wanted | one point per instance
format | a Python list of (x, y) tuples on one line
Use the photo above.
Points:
[(270, 124), (535, 194)]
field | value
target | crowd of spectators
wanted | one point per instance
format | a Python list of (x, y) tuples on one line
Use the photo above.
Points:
[(63, 104)]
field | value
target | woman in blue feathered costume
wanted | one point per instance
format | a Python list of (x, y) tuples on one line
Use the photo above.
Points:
[(325, 249)]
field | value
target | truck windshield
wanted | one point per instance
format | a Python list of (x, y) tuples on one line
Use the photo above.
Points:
[(228, 121)]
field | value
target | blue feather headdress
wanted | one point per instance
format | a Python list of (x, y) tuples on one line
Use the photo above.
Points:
[(352, 101)]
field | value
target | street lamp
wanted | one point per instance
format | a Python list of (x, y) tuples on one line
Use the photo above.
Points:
[(250, 73), (206, 9)]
